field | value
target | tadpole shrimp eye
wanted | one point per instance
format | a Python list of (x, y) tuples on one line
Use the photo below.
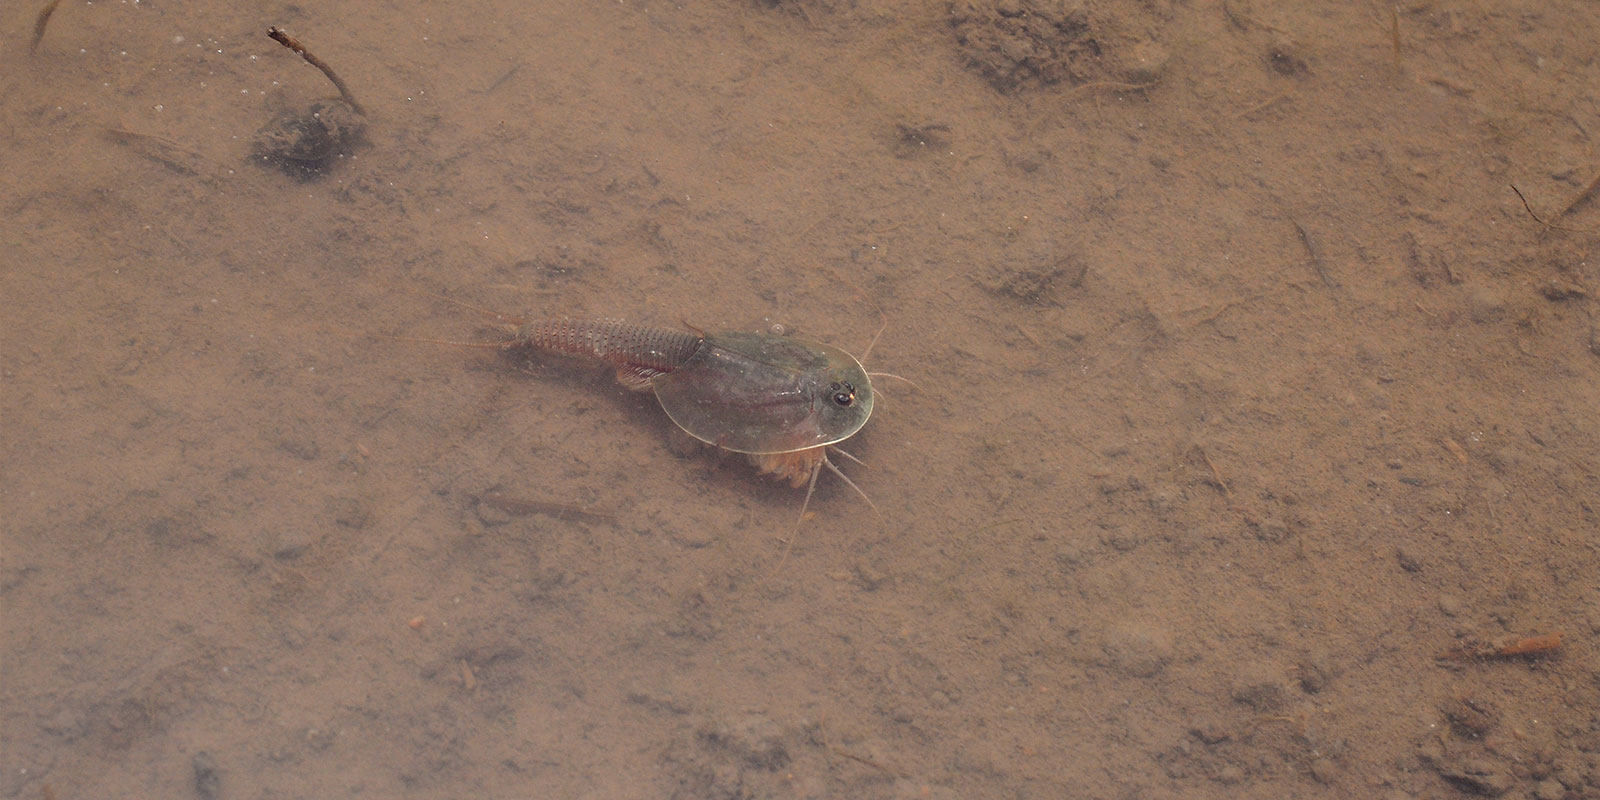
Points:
[(843, 393)]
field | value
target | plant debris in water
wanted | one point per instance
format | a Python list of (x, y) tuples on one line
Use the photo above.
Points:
[(306, 144)]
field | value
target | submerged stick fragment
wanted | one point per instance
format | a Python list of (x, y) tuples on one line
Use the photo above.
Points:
[(1529, 647), (282, 37), (38, 24), (1536, 217), (1316, 257), (1394, 32), (1216, 474), (506, 76)]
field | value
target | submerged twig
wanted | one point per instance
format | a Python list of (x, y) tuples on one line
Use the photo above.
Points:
[(1394, 33), (1472, 649), (1316, 257), (1216, 474), (1540, 220), (38, 24), (869, 762), (506, 76), (282, 37)]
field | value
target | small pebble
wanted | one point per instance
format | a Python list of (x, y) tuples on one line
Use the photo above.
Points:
[(1324, 771), (1258, 686), (1407, 559), (1272, 532), (291, 543), (1315, 672), (869, 576)]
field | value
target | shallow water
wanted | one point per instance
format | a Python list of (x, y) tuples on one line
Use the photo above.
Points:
[(1243, 397)]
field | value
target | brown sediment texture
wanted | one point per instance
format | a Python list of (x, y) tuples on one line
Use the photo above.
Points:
[(1244, 396)]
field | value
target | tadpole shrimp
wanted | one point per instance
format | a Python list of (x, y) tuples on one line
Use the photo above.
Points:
[(783, 402)]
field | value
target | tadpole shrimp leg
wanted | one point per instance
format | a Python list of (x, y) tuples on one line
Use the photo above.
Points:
[(811, 485)]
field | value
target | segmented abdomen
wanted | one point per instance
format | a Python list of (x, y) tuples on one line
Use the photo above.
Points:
[(642, 349)]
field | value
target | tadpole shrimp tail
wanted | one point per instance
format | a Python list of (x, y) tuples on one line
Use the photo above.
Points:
[(640, 351)]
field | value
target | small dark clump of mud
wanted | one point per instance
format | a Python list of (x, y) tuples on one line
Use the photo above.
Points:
[(306, 144)]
